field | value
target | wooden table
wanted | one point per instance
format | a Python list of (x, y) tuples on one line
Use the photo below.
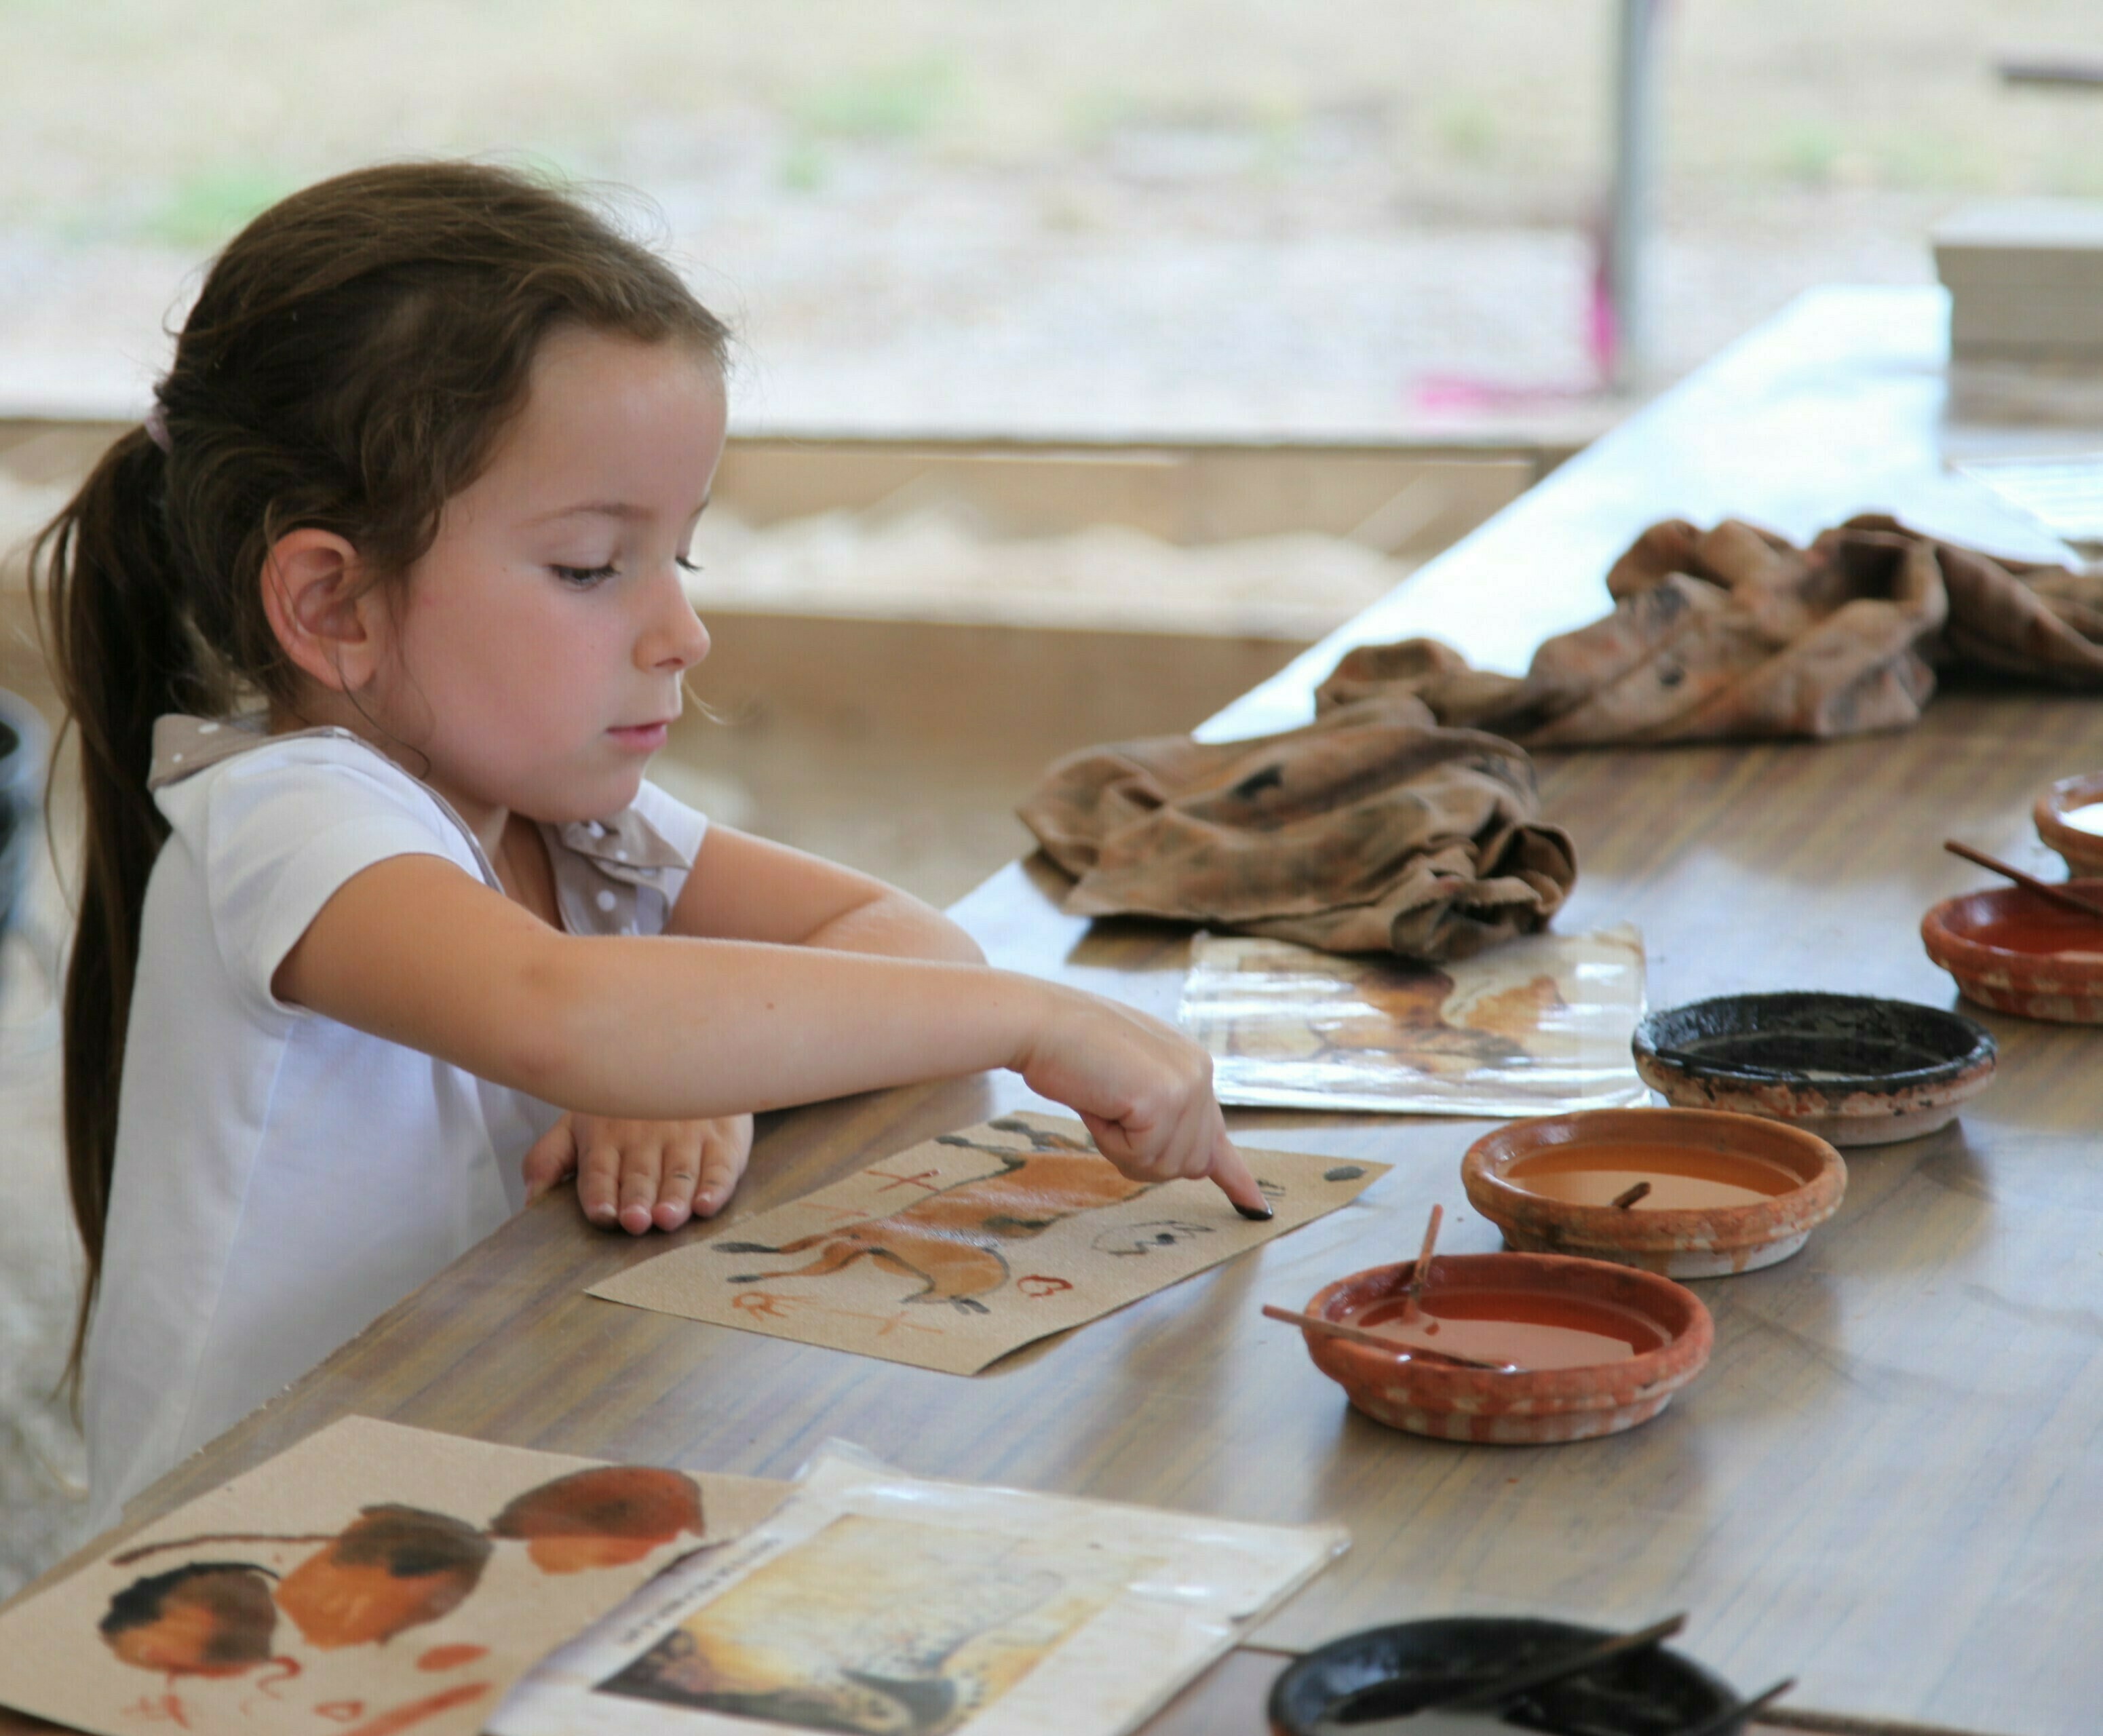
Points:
[(1889, 1483)]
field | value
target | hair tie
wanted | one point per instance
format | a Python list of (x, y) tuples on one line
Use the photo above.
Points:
[(156, 425)]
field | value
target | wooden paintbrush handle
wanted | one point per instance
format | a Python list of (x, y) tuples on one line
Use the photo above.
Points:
[(1360, 1335)]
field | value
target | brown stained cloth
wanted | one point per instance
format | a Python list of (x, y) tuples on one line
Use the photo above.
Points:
[(1734, 634), (1371, 829)]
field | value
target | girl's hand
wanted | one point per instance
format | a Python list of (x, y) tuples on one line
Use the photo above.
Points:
[(1144, 1091), (643, 1174)]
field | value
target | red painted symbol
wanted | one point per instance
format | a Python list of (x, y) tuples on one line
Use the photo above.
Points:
[(281, 1670), (341, 1712), (1038, 1284), (762, 1301), (926, 1179), (165, 1709)]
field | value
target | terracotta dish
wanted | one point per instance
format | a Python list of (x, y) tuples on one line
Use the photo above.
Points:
[(1669, 1334), (1722, 1193), (2069, 819), (1850, 1068), (1423, 1661), (2012, 950)]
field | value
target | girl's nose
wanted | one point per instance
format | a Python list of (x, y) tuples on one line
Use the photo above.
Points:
[(676, 640)]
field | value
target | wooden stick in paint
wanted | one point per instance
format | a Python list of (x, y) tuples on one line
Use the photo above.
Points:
[(1622, 1201), (2058, 895), (1420, 1277), (1360, 1335)]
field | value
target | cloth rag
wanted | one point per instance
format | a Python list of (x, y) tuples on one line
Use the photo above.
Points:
[(1735, 634), (1370, 829)]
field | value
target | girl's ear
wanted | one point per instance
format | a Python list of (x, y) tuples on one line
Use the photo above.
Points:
[(330, 618)]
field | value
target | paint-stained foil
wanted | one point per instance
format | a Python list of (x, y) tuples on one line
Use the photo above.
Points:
[(1535, 1027)]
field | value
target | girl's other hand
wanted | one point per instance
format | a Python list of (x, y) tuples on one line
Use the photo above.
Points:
[(1144, 1091), (642, 1175)]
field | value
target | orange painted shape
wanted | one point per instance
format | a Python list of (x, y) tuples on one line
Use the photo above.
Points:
[(416, 1711), (450, 1657)]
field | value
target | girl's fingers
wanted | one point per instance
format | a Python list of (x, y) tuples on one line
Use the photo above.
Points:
[(683, 1174), (598, 1177), (642, 1164), (553, 1156), (724, 1159), (1233, 1179)]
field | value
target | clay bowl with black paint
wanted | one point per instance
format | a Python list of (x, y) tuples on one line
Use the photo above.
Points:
[(2079, 847), (1408, 1665), (2013, 951), (1806, 1175), (1525, 1407), (1852, 1069)]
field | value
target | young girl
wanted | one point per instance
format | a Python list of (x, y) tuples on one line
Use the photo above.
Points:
[(368, 634)]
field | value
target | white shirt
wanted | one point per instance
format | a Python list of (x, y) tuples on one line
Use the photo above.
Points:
[(282, 1179)]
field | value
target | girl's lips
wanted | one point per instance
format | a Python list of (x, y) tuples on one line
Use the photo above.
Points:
[(645, 738)]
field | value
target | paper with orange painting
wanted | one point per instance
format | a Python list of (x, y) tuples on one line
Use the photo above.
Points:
[(974, 1243), (893, 1605), (1533, 1027), (372, 1581)]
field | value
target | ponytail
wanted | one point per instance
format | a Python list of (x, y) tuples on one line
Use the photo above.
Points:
[(110, 612)]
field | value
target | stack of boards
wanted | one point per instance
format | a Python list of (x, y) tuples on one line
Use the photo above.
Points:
[(2025, 279), (2025, 282)]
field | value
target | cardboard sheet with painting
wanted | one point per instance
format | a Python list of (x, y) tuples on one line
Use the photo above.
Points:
[(973, 1244), (376, 1580)]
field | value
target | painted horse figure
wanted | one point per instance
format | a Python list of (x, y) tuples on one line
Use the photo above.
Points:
[(951, 1239)]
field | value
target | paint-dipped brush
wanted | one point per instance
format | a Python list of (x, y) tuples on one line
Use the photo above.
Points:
[(1476, 1711), (2052, 894), (1420, 1277), (1360, 1335)]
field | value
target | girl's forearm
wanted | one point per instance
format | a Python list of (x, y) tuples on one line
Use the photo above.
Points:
[(898, 927), (670, 1028)]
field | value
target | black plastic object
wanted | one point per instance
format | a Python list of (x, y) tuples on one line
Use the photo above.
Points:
[(1653, 1692), (1836, 1044)]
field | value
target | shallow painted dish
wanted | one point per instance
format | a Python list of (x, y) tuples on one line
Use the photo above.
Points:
[(1528, 1407), (1652, 1689), (1854, 1070), (2081, 850), (2064, 986), (1707, 1242)]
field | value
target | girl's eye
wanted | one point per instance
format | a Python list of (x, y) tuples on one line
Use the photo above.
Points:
[(685, 564), (585, 577)]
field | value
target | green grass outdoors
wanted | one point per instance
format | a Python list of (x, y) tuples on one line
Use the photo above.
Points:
[(144, 121)]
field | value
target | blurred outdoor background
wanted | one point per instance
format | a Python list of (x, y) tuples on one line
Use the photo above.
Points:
[(1042, 310)]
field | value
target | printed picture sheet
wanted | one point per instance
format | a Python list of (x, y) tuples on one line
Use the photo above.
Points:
[(894, 1606), (1534, 1028), (952, 1254), (372, 1581)]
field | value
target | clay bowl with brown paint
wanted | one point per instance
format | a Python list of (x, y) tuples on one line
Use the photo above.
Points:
[(1727, 1194), (2013, 951), (2068, 817), (1853, 1069), (1667, 1335)]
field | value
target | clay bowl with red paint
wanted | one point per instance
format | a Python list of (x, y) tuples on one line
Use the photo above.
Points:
[(1853, 1069), (2013, 951), (1729, 1193), (1525, 1407), (2080, 847)]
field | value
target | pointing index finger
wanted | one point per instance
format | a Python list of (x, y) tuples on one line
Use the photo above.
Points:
[(1233, 1179)]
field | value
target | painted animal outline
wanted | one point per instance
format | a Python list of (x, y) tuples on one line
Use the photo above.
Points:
[(950, 1239)]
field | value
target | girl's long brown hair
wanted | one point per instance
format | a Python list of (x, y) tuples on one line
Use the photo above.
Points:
[(350, 364)]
